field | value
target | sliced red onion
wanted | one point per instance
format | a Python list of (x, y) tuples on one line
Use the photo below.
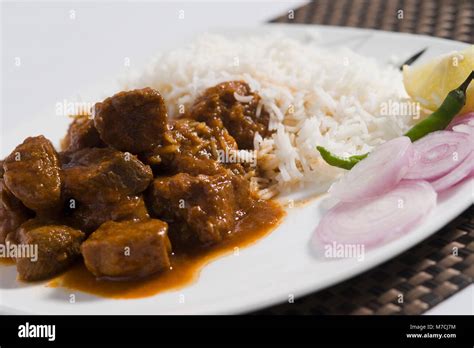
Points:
[(464, 128), (463, 124), (462, 171), (438, 153), (376, 221), (462, 119), (376, 174)]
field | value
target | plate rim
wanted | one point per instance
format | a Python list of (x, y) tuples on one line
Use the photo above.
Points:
[(309, 287)]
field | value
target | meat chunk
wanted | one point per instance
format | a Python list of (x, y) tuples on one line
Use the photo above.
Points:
[(33, 174), (192, 147), (218, 107), (104, 175), (132, 121), (81, 134), (200, 208), (12, 212), (88, 217), (127, 249), (57, 247)]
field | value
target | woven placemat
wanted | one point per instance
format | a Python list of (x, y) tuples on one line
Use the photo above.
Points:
[(450, 19), (411, 283), (440, 266)]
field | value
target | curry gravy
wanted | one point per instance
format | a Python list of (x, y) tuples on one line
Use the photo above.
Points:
[(7, 261), (186, 266)]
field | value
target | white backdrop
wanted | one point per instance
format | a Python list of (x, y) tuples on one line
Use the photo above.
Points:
[(52, 51)]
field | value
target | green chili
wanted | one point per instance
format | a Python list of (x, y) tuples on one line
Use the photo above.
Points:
[(438, 120), (341, 162)]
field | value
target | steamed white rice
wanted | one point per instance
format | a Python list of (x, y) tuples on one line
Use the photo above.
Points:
[(315, 96)]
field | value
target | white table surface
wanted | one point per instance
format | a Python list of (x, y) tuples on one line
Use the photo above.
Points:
[(66, 46)]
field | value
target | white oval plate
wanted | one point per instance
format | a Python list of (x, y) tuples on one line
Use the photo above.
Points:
[(276, 267)]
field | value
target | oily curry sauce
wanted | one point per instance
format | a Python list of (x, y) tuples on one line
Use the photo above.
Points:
[(7, 261), (186, 265), (131, 177)]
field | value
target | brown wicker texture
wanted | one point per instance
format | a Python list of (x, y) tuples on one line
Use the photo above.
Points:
[(451, 19), (411, 283), (440, 266)]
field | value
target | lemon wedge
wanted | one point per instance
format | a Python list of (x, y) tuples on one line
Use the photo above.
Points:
[(430, 83)]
